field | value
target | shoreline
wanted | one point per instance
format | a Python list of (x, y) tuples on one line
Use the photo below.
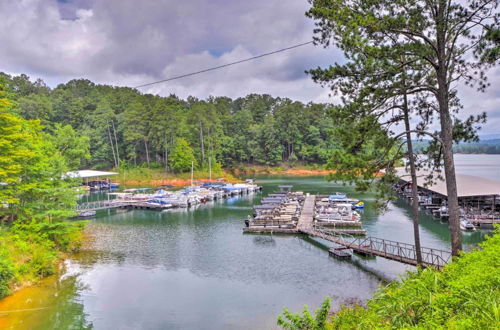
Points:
[(157, 178)]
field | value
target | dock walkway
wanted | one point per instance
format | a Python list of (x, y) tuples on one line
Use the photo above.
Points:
[(373, 246), (113, 204), (305, 222)]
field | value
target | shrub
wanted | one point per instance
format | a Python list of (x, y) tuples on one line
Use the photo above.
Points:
[(29, 250), (464, 295), (6, 274)]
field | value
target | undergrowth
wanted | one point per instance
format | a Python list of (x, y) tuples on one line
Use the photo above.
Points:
[(29, 251), (464, 295)]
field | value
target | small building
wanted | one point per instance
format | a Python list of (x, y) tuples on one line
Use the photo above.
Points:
[(95, 180), (472, 191)]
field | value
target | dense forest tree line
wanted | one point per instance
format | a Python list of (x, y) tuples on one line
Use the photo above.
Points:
[(36, 195), (125, 126), (481, 147)]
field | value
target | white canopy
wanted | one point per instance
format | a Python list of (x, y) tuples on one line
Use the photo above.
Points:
[(467, 185), (89, 174)]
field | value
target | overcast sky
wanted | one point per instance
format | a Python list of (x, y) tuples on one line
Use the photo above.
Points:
[(131, 42)]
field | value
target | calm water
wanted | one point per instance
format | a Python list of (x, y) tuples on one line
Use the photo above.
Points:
[(196, 270), (487, 166)]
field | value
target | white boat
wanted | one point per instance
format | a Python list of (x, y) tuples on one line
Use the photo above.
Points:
[(466, 225), (338, 212)]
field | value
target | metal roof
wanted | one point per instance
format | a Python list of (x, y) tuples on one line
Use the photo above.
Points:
[(89, 174), (467, 185)]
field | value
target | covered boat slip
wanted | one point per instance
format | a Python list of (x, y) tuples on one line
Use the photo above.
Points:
[(95, 180), (479, 198), (468, 187)]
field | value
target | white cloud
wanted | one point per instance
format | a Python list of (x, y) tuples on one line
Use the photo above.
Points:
[(129, 42)]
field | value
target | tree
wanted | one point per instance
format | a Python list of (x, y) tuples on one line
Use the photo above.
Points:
[(182, 156), (137, 126), (166, 122), (31, 171), (441, 36), (73, 147), (14, 152), (125, 125)]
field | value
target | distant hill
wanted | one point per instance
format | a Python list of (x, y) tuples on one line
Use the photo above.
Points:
[(493, 142), (485, 137), (484, 146)]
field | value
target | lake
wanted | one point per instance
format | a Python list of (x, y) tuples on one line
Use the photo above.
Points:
[(195, 269)]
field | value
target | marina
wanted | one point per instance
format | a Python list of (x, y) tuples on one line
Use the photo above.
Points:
[(159, 200), (164, 264), (310, 221), (479, 198)]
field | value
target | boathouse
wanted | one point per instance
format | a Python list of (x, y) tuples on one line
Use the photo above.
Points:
[(476, 195)]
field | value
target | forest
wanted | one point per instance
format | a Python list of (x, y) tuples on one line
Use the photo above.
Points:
[(35, 195), (482, 147), (125, 127)]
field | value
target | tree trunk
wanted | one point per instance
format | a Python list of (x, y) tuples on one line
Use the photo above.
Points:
[(147, 151), (202, 146), (447, 130), (135, 154), (414, 184), (166, 158), (112, 147), (116, 144), (451, 183)]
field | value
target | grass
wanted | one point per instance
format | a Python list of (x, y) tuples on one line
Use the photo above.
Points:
[(29, 251), (142, 176), (464, 295)]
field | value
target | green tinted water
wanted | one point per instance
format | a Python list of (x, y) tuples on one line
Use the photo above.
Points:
[(194, 269)]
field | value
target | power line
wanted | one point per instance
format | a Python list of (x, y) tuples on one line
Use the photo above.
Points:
[(224, 65)]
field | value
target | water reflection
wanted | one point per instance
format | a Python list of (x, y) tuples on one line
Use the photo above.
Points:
[(264, 241), (186, 269), (55, 303)]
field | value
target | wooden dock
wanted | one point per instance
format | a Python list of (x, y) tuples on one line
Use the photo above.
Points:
[(340, 223), (345, 240), (339, 253), (113, 204), (373, 246), (270, 230), (306, 216)]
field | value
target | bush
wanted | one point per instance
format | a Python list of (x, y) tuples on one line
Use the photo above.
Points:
[(6, 274), (29, 250), (306, 321), (464, 295)]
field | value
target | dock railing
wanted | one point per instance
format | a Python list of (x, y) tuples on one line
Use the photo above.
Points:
[(99, 205), (394, 250)]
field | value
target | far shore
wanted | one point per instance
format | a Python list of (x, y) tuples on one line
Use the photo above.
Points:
[(157, 178)]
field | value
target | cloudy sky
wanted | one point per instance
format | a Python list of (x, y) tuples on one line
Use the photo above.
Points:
[(131, 42)]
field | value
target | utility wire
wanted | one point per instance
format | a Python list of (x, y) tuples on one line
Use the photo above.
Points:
[(225, 65)]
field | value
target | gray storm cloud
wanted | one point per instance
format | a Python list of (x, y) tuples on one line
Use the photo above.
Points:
[(129, 42)]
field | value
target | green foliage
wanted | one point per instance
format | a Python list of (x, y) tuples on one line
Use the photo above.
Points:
[(306, 321), (35, 194), (73, 147), (123, 125), (182, 157), (28, 251), (464, 295), (6, 275)]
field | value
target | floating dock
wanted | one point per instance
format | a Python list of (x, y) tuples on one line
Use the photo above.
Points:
[(339, 253), (345, 240)]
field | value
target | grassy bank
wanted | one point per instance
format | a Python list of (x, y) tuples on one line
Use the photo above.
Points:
[(464, 295), (150, 177), (30, 251), (295, 169)]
